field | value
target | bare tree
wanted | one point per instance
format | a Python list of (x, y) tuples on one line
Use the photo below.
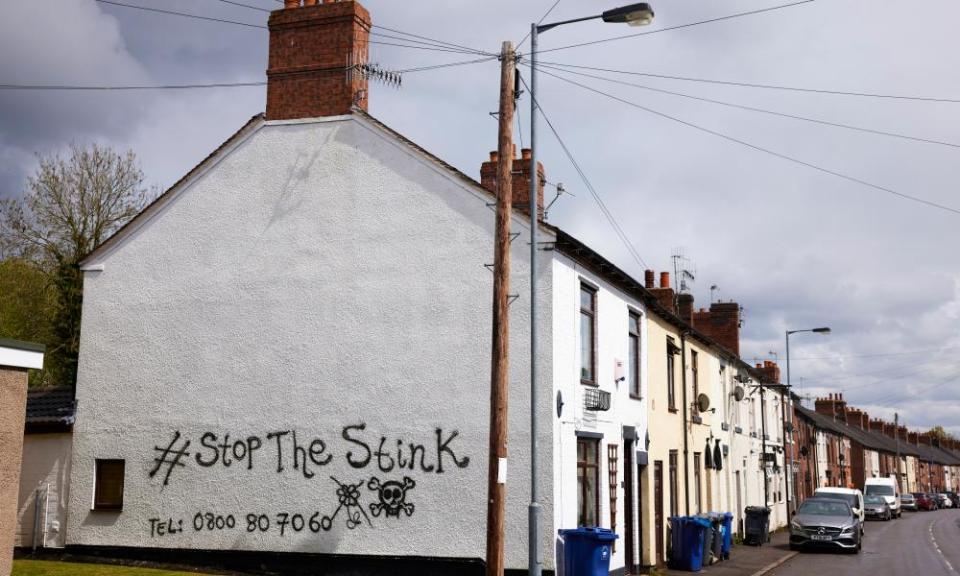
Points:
[(70, 206)]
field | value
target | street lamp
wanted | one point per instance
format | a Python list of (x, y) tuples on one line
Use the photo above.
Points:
[(634, 15), (821, 330)]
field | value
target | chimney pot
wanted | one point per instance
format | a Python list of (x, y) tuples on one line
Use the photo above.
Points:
[(494, 156), (648, 278), (664, 279), (287, 4), (309, 2), (526, 153)]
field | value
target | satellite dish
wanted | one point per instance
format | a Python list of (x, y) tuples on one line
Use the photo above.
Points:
[(703, 403), (738, 393)]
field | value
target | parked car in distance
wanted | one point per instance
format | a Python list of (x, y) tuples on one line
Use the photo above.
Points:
[(944, 501), (825, 522), (877, 507), (851, 496), (924, 501), (908, 502), (954, 498), (886, 487)]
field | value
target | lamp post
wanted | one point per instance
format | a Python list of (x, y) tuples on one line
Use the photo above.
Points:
[(634, 15), (821, 330)]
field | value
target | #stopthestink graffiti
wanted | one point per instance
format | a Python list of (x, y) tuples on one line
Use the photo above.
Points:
[(385, 494)]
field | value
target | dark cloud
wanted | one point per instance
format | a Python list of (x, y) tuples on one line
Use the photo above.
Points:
[(797, 248)]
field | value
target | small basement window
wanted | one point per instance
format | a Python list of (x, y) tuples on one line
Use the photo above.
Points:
[(108, 486)]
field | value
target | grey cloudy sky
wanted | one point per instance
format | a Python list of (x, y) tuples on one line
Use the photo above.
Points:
[(796, 247)]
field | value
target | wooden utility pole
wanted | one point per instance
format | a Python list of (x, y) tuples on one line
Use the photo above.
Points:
[(500, 358)]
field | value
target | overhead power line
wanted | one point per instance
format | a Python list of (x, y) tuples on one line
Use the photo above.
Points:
[(429, 44), (762, 86), (462, 47), (182, 14), (774, 153), (760, 110), (679, 26), (250, 6), (586, 182), (129, 87), (74, 87)]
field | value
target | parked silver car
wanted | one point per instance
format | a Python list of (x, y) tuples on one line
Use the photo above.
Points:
[(823, 522), (877, 507), (908, 501)]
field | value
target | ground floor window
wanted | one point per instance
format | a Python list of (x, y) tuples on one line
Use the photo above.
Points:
[(108, 485), (588, 480), (674, 485), (697, 481)]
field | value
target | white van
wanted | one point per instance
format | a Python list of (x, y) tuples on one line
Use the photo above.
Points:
[(851, 496), (888, 488)]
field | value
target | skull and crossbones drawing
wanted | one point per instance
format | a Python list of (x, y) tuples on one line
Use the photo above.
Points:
[(393, 496)]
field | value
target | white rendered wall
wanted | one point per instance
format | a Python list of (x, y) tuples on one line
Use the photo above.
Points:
[(612, 309), (323, 279), (46, 466)]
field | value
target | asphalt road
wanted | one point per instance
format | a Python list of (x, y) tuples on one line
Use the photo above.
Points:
[(918, 544)]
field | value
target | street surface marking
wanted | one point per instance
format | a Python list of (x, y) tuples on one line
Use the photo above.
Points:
[(939, 551)]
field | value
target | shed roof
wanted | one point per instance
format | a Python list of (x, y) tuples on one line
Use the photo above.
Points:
[(50, 410)]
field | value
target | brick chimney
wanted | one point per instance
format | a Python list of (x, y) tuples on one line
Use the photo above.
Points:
[(857, 418), (521, 180), (721, 323), (770, 371), (685, 307), (912, 438), (664, 294), (313, 49), (926, 439), (877, 425), (833, 406)]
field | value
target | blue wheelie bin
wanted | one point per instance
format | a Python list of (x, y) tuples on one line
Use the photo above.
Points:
[(678, 524), (727, 534), (695, 545), (587, 551)]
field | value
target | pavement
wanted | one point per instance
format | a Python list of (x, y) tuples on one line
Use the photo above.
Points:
[(750, 560)]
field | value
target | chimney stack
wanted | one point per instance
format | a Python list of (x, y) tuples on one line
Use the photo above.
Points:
[(858, 418), (833, 406), (770, 371), (315, 50), (722, 323), (521, 180), (685, 307), (664, 294)]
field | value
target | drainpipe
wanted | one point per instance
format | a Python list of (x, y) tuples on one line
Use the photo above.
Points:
[(763, 453), (36, 518), (683, 379)]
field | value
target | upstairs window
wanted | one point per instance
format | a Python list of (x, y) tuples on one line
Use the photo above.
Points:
[(672, 351), (588, 334), (695, 374), (108, 485), (633, 351)]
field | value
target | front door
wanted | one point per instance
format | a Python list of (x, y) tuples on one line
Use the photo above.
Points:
[(628, 505), (739, 511), (658, 509)]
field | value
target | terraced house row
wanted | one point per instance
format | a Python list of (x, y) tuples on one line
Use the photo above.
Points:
[(839, 445)]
